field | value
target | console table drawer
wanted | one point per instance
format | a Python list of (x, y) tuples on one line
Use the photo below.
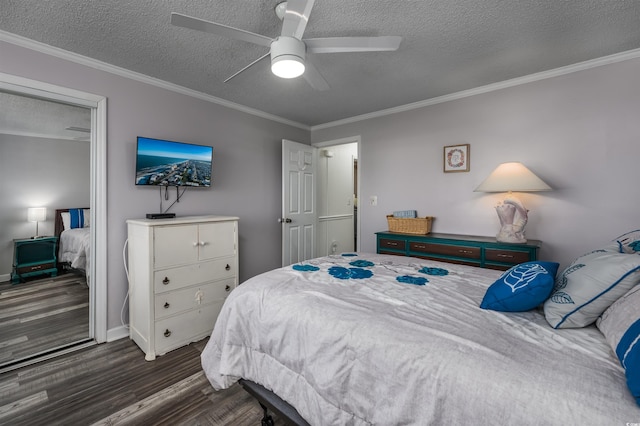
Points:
[(392, 244), (446, 249), (508, 256)]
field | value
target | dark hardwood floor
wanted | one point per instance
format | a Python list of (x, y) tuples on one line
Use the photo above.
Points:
[(112, 384), (41, 314)]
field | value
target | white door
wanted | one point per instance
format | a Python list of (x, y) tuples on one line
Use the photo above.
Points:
[(299, 211)]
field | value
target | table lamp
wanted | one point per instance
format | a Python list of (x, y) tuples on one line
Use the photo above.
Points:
[(508, 177), (36, 214)]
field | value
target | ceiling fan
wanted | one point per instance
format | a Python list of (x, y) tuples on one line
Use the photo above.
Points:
[(288, 51)]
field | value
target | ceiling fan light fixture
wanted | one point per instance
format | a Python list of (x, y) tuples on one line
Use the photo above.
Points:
[(287, 66), (287, 57)]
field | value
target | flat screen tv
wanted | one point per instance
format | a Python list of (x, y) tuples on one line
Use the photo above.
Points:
[(167, 163)]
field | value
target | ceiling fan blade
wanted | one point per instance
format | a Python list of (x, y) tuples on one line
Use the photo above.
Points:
[(352, 44), (296, 18), (247, 67), (313, 77), (197, 24)]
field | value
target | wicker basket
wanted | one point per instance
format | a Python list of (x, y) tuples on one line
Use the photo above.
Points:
[(420, 225)]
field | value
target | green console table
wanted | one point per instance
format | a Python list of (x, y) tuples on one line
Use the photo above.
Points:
[(33, 257), (484, 252)]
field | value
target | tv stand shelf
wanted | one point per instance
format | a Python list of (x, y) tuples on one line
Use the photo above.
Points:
[(484, 252)]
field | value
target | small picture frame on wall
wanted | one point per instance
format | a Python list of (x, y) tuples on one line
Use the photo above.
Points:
[(456, 158)]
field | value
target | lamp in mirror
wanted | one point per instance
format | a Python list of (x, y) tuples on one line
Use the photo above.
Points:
[(36, 214), (512, 177)]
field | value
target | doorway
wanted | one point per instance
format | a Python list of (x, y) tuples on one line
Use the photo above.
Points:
[(46, 96), (338, 187)]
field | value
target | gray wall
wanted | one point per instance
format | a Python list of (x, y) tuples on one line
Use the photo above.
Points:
[(579, 132), (32, 178), (247, 163)]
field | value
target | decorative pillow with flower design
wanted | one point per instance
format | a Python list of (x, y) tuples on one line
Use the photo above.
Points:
[(589, 286), (521, 288)]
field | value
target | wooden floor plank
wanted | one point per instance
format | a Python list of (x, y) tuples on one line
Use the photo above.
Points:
[(111, 383)]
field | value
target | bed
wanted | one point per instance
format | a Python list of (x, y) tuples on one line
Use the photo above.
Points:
[(359, 339), (72, 227)]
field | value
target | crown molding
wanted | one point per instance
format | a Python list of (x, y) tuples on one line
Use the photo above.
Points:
[(122, 72), (581, 66)]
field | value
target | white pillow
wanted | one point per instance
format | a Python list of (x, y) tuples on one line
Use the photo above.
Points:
[(87, 217), (66, 220), (589, 286)]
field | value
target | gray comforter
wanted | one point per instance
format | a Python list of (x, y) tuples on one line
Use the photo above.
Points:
[(345, 349)]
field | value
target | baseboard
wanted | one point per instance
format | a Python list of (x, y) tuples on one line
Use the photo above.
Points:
[(5, 278), (117, 333)]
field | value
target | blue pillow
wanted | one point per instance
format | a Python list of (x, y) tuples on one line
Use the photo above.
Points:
[(620, 325), (628, 352), (521, 288), (77, 218)]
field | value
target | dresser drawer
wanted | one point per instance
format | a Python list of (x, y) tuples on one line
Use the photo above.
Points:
[(35, 268), (446, 249), (392, 244), (191, 326), (507, 256), (185, 276), (173, 302)]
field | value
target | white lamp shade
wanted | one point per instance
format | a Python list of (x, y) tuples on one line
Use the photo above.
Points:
[(36, 214), (512, 177)]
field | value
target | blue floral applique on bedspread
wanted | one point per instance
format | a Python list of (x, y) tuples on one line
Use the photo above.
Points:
[(408, 279), (349, 273), (349, 254), (361, 263), (434, 271), (305, 268)]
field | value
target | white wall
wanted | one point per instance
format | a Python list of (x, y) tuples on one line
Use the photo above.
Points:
[(38, 172), (247, 164), (579, 132)]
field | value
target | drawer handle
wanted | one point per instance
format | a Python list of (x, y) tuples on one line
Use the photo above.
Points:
[(227, 288), (36, 267), (166, 281), (465, 251), (166, 305), (509, 256), (227, 267), (167, 333), (421, 246), (390, 243)]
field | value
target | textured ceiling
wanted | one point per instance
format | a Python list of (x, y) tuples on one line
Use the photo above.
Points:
[(448, 45)]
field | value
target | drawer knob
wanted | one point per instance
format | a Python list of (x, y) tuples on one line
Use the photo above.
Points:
[(166, 305), (227, 288), (166, 281), (167, 333), (227, 267)]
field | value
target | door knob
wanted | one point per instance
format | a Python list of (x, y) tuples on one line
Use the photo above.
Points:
[(284, 220)]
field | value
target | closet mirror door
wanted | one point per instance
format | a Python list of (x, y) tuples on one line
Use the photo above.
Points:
[(45, 158)]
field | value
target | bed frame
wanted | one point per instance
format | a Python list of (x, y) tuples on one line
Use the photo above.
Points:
[(58, 227), (269, 400)]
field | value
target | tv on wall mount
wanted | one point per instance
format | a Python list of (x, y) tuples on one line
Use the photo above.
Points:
[(162, 162)]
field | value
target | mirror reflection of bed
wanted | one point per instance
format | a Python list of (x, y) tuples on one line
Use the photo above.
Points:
[(72, 227)]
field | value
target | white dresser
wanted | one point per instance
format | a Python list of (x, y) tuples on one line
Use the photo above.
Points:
[(180, 273)]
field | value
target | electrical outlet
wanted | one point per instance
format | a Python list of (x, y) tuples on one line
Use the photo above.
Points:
[(373, 200)]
